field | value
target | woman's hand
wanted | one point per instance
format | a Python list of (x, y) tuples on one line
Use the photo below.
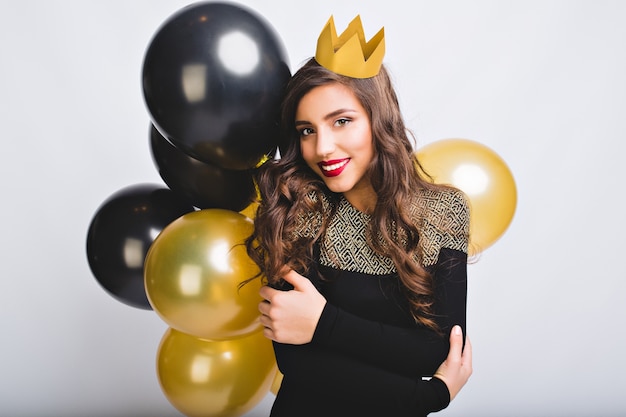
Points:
[(291, 316), (457, 368)]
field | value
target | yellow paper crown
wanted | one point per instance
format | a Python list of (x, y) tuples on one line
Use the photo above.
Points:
[(349, 54)]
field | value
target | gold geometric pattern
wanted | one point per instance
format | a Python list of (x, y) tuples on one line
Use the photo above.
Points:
[(442, 217), (445, 222), (345, 244)]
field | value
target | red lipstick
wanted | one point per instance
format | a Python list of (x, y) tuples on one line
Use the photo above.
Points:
[(333, 167)]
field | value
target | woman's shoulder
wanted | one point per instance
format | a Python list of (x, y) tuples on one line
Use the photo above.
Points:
[(443, 217), (442, 202)]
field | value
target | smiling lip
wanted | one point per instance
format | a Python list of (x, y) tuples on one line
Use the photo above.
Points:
[(334, 167)]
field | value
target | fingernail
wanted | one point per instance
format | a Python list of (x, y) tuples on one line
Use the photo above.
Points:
[(457, 330)]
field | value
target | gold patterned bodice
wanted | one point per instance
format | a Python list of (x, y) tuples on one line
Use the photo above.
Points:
[(442, 217)]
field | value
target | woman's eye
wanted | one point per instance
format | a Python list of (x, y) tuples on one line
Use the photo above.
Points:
[(306, 131), (341, 122)]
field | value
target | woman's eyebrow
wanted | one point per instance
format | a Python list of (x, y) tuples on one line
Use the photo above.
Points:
[(330, 115)]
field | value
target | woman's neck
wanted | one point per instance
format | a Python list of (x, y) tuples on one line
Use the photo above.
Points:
[(363, 199)]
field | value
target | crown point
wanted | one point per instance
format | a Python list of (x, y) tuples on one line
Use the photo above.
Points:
[(350, 54)]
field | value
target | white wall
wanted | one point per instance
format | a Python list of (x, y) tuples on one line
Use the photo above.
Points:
[(540, 82)]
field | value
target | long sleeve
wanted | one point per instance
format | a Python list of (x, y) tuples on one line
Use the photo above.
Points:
[(354, 388), (412, 350)]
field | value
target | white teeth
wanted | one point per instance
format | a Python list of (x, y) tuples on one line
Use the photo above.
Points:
[(334, 166)]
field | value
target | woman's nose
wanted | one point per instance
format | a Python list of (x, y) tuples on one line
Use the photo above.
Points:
[(325, 143)]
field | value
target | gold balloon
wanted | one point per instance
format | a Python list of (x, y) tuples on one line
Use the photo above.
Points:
[(192, 274), (203, 378), (250, 210), (484, 177), (278, 379)]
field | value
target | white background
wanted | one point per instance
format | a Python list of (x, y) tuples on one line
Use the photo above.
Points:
[(542, 83)]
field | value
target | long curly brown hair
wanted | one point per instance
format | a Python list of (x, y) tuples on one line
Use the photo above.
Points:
[(286, 183)]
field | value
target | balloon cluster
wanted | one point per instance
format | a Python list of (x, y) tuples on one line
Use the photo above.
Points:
[(213, 78)]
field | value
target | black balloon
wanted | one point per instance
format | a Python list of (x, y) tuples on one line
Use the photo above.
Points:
[(120, 234), (204, 185), (213, 78)]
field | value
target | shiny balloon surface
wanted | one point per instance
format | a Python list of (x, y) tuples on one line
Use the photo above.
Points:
[(121, 232), (203, 378), (193, 273), (204, 185), (213, 78)]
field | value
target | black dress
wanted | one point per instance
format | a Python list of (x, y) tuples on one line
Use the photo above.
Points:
[(368, 357)]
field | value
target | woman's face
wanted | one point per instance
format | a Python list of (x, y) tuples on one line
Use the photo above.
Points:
[(336, 141)]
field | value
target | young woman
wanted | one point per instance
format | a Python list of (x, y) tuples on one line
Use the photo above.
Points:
[(365, 259)]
